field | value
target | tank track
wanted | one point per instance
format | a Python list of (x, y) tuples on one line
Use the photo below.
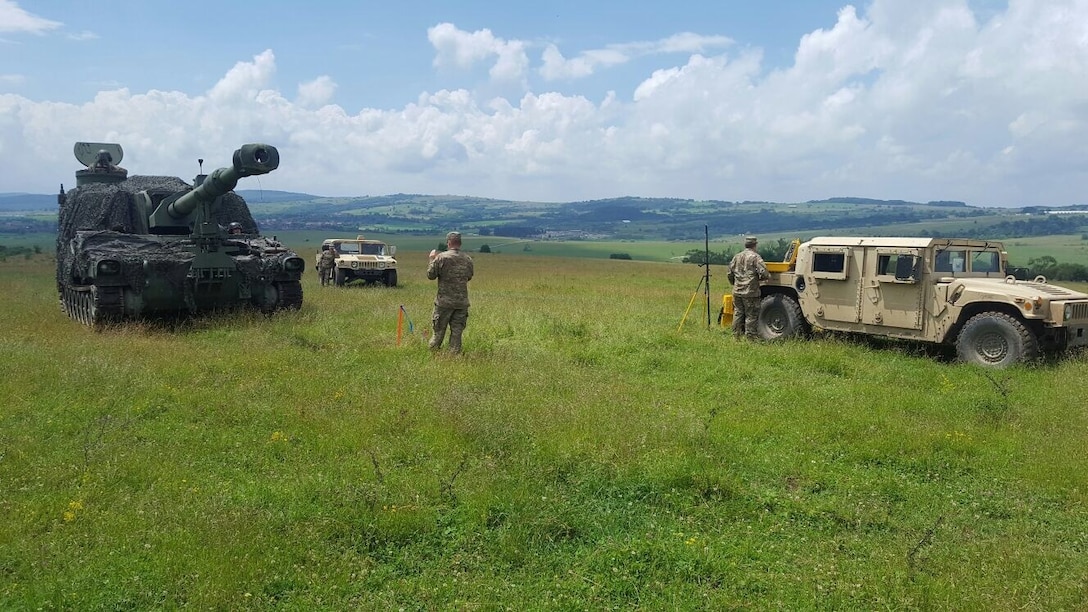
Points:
[(290, 293), (92, 305)]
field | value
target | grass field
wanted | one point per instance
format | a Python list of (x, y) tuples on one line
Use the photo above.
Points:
[(583, 453)]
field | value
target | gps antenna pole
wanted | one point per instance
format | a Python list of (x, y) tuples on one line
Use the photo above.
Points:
[(706, 262)]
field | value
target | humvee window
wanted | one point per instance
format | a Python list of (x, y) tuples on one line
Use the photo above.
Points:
[(905, 268), (373, 249), (985, 261), (828, 262), (348, 248), (899, 267), (886, 265), (950, 261)]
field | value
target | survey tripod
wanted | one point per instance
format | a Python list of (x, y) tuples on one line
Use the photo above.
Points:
[(704, 281)]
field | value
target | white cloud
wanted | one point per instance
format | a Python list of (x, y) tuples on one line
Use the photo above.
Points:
[(555, 66), (914, 99), (245, 79), (463, 50), (317, 92), (15, 19), (85, 35)]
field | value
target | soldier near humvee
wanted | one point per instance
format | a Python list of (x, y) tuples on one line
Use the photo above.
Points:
[(326, 263), (453, 269), (746, 270)]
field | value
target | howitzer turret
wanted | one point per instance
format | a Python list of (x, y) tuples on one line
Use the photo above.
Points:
[(250, 160), (143, 245)]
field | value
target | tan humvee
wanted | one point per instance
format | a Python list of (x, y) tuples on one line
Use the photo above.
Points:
[(370, 261), (950, 291)]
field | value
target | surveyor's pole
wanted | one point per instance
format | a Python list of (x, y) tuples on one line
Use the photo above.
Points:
[(706, 262)]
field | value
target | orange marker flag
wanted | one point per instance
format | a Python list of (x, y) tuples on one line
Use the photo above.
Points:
[(400, 323)]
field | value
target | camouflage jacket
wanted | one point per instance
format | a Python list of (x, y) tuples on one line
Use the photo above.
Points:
[(327, 259), (748, 269), (453, 269)]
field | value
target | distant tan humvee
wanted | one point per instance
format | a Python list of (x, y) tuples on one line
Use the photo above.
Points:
[(950, 291), (370, 261)]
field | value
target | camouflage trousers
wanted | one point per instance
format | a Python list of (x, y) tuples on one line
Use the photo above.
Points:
[(454, 318), (746, 316), (325, 274)]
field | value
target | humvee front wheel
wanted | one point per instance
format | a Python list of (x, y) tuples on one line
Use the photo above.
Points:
[(779, 317), (996, 339), (340, 278), (391, 278)]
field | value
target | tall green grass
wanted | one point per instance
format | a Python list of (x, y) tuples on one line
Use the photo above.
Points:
[(582, 453)]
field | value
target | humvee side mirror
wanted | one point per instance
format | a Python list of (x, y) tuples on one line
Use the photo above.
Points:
[(392, 250)]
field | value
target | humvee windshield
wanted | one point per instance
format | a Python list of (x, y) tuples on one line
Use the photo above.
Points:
[(355, 248), (956, 261), (986, 261)]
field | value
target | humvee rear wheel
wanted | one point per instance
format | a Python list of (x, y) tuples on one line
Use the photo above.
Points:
[(996, 339), (779, 317)]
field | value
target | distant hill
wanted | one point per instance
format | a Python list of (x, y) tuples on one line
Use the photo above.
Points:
[(874, 202), (257, 196), (619, 218), (10, 202)]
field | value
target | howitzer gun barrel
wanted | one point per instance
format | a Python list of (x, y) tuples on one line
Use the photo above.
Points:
[(249, 160)]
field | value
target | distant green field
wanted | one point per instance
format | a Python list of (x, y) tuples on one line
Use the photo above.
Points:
[(47, 242), (1071, 248)]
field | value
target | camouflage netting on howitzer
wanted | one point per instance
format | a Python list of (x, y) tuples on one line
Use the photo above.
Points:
[(232, 207), (264, 259), (112, 206), (140, 256)]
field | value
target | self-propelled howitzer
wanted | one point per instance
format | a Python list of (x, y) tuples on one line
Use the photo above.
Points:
[(130, 247)]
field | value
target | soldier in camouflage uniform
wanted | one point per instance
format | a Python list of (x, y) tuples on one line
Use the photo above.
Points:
[(745, 271), (326, 263), (453, 269)]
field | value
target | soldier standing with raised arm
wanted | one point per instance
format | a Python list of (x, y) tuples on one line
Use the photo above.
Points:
[(453, 269)]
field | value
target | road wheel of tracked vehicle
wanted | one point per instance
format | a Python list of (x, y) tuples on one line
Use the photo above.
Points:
[(93, 306), (996, 339), (77, 304), (391, 278), (779, 317), (341, 277)]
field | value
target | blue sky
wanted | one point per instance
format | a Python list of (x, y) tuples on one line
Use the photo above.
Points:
[(982, 101)]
